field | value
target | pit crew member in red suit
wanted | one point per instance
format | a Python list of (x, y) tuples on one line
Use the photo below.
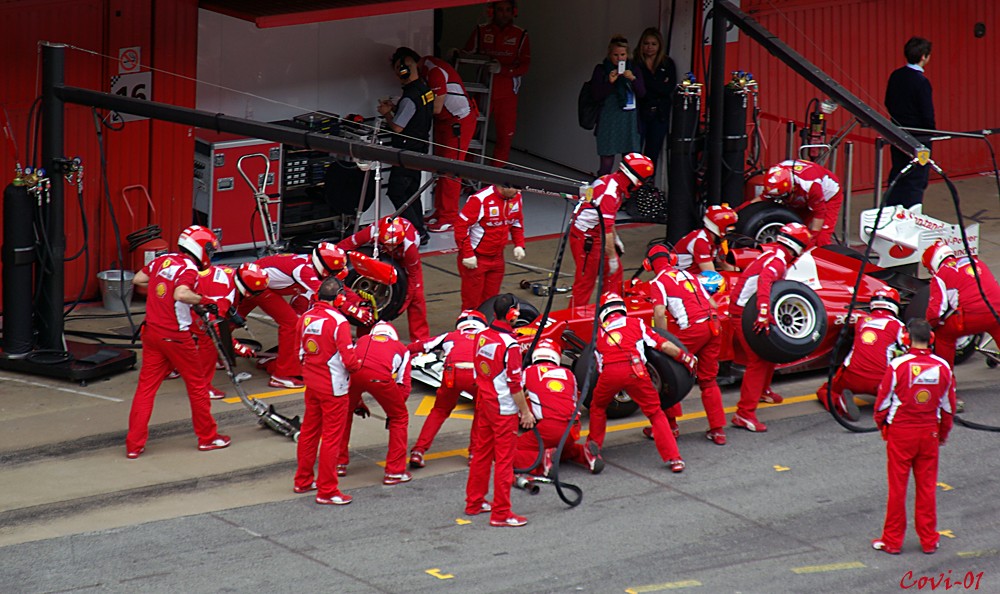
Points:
[(385, 374), (454, 124), (585, 240), (459, 348), (398, 238), (510, 47), (488, 218), (621, 365), (812, 191), (700, 249), (956, 308), (328, 359), (499, 403), (681, 295), (297, 276), (757, 279), (914, 409), (878, 337), (552, 393), (167, 341)]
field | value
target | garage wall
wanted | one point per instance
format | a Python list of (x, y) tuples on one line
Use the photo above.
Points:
[(339, 66)]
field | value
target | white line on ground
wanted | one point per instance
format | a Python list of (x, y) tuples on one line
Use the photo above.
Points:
[(61, 389)]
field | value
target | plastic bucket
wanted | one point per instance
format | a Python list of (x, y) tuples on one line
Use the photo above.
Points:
[(114, 287)]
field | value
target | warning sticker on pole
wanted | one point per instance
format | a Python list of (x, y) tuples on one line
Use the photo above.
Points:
[(128, 59)]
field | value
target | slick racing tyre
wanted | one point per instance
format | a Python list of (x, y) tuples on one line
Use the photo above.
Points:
[(389, 299), (799, 323), (762, 220), (965, 346), (529, 313)]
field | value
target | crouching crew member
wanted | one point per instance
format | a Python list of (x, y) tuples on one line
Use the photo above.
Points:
[(459, 347), (397, 237), (385, 374), (552, 393), (482, 229), (914, 409), (585, 235), (812, 191), (956, 308), (328, 358), (499, 404), (706, 248), (167, 342), (621, 365), (698, 327), (757, 279), (878, 337)]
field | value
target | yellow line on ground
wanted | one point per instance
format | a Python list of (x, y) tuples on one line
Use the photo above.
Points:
[(986, 553), (661, 587), (263, 395), (427, 403), (829, 567), (464, 453)]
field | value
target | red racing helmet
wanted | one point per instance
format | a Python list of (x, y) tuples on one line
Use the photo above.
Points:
[(391, 232), (778, 181), (329, 259), (200, 243), (611, 303), (471, 320), (547, 350), (251, 279), (720, 220), (886, 298), (935, 255), (637, 167), (794, 236), (386, 329)]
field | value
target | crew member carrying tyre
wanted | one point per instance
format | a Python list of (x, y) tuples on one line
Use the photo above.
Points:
[(552, 393), (585, 235), (167, 342), (621, 366), (297, 276), (500, 404), (328, 359), (706, 248), (398, 238), (878, 337), (757, 279), (459, 347), (955, 307), (811, 191), (385, 374), (681, 295), (482, 229)]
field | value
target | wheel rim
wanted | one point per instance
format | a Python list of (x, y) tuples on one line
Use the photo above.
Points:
[(622, 398), (795, 317), (964, 342), (382, 293), (769, 232)]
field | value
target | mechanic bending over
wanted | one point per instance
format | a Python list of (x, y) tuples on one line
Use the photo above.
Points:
[(811, 191)]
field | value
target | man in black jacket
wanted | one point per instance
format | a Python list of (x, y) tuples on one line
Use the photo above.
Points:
[(410, 118), (908, 99)]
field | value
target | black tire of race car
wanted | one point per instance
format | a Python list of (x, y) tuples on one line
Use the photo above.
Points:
[(776, 346), (917, 308), (393, 297), (529, 313), (754, 217)]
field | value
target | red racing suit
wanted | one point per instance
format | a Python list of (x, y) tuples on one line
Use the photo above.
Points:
[(459, 349), (914, 408), (407, 254), (328, 358), (815, 195), (167, 344), (956, 308), (458, 110), (552, 393), (585, 238), (385, 374), (621, 365), (510, 47), (694, 249), (482, 229), (497, 365), (699, 329), (877, 337), (756, 279)]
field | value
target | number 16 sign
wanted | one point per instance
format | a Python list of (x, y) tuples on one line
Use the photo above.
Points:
[(137, 86)]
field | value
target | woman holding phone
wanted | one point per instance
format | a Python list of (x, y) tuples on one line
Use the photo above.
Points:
[(616, 86)]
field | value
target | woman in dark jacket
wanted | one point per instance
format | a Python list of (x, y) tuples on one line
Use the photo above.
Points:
[(659, 76), (617, 123)]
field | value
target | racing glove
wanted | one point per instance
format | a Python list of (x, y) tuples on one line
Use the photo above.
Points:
[(243, 350), (763, 323), (619, 245), (362, 411), (687, 360), (236, 318), (203, 309), (360, 313), (518, 253), (471, 262), (613, 265)]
